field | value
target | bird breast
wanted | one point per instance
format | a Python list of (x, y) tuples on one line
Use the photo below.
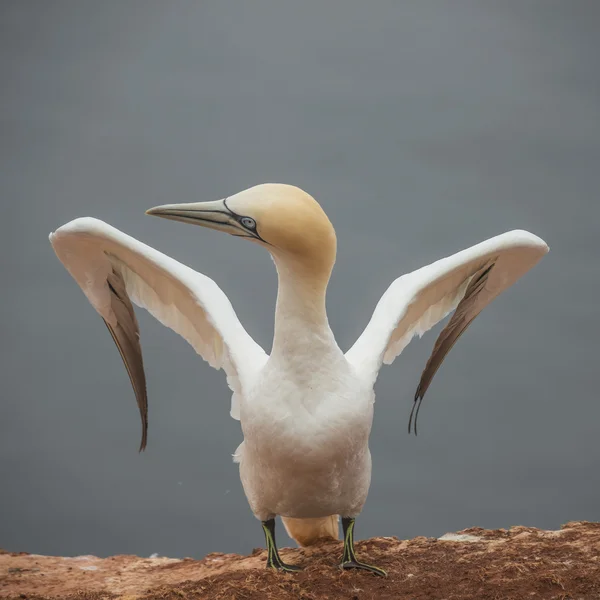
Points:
[(307, 415)]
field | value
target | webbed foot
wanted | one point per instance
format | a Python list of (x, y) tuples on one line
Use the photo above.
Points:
[(273, 559), (349, 560)]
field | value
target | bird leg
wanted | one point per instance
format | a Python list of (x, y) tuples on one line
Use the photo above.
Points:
[(273, 559), (349, 560)]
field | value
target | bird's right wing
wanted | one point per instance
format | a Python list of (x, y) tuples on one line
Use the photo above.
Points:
[(114, 269)]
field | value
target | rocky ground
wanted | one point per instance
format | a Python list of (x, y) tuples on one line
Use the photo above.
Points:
[(518, 563)]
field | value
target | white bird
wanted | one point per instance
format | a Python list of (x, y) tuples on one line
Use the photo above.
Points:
[(306, 409)]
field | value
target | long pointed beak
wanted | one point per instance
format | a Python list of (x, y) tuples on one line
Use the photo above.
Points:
[(214, 215)]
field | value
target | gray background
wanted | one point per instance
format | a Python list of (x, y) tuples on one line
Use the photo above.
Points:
[(421, 127)]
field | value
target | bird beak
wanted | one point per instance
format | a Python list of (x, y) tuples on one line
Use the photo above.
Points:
[(215, 215)]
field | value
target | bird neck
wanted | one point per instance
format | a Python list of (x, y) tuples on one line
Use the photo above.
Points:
[(301, 325)]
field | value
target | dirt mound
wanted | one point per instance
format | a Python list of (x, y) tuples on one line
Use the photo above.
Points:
[(522, 562)]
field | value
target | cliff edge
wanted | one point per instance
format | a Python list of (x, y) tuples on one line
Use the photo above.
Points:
[(518, 563)]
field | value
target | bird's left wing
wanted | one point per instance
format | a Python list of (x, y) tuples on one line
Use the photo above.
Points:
[(465, 282), (114, 269)]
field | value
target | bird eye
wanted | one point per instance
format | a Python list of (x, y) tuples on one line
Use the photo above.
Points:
[(248, 223)]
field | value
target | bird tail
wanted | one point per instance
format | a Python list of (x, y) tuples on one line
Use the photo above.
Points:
[(310, 531)]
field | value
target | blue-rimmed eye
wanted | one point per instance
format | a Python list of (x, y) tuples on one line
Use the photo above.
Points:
[(248, 223)]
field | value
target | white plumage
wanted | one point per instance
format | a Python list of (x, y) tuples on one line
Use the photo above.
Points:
[(417, 301), (306, 410), (190, 303)]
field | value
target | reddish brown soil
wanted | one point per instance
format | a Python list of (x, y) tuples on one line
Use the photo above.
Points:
[(518, 563)]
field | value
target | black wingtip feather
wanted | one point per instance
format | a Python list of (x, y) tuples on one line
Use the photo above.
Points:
[(448, 337), (416, 404)]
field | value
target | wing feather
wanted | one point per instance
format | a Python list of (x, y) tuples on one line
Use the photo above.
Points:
[(126, 335), (465, 282), (114, 270)]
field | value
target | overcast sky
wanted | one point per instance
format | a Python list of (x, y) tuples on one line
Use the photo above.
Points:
[(422, 128)]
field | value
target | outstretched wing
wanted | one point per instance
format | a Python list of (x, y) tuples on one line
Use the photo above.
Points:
[(465, 282), (114, 270)]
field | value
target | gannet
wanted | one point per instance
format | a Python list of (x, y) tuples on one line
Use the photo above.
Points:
[(306, 409)]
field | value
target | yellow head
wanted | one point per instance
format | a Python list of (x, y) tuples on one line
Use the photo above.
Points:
[(283, 218)]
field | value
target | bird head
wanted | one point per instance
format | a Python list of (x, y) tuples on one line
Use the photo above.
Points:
[(282, 218)]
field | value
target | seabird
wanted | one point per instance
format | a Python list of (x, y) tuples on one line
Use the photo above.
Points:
[(306, 409)]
